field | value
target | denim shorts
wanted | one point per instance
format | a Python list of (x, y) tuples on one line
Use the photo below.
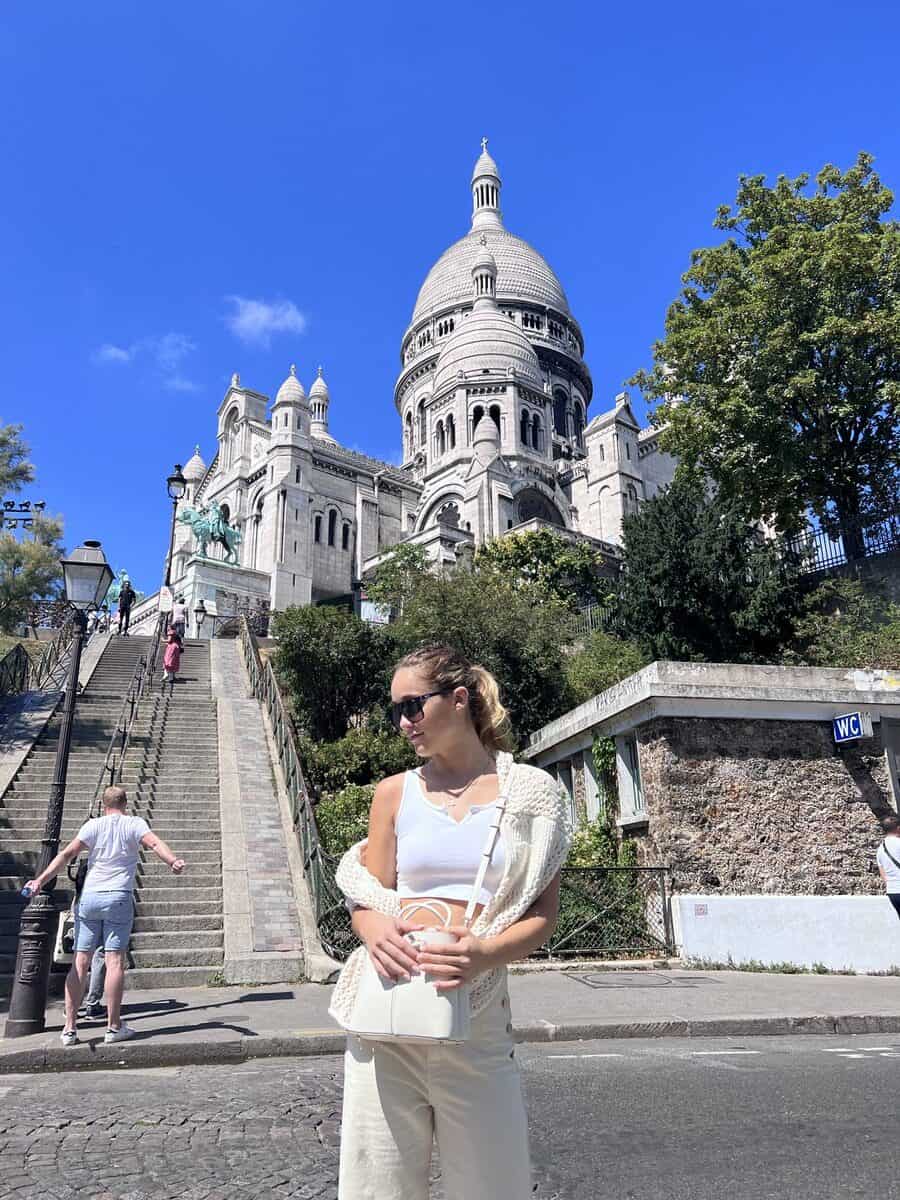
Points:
[(103, 919)]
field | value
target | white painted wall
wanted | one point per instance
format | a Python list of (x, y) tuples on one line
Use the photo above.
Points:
[(859, 932)]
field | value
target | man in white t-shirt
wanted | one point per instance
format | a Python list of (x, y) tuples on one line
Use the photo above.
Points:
[(888, 859), (105, 911)]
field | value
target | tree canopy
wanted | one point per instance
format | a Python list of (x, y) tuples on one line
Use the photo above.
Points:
[(15, 469), (29, 569), (568, 570), (779, 372), (700, 582)]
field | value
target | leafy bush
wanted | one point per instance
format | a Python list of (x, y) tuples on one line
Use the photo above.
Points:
[(360, 756), (334, 665), (343, 819), (566, 570), (602, 661), (845, 623)]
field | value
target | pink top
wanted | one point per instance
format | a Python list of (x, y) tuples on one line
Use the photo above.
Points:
[(172, 656)]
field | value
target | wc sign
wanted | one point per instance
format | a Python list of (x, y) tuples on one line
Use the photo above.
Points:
[(851, 726)]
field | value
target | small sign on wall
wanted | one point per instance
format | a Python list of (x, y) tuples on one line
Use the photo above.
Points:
[(701, 910), (852, 726)]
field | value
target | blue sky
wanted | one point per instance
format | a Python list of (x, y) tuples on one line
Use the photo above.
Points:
[(196, 188)]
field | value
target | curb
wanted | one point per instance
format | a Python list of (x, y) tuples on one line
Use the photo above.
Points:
[(313, 1042)]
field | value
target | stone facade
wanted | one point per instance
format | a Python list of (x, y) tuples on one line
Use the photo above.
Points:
[(744, 806), (495, 435)]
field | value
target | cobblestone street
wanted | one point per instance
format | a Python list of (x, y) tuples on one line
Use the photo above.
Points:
[(263, 1130)]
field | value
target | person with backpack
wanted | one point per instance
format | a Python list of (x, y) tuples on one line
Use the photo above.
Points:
[(888, 860)]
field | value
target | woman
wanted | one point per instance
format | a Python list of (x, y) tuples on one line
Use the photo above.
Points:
[(171, 658), (427, 830)]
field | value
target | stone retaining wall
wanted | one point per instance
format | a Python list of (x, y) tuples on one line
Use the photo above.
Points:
[(761, 806)]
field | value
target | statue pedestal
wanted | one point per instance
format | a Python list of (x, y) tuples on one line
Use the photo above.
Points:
[(222, 588)]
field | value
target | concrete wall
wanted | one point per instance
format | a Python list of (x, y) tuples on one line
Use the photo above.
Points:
[(761, 806), (857, 932)]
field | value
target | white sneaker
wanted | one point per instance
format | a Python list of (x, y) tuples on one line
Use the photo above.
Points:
[(69, 1037), (122, 1034)]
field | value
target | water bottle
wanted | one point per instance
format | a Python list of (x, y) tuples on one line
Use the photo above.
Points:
[(26, 892)]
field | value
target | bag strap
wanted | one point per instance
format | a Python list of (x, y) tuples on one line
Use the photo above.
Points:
[(888, 853), (486, 856), (432, 906)]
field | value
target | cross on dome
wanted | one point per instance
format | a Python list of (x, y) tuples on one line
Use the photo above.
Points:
[(484, 144)]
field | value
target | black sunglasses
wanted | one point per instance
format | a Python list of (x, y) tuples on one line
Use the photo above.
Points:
[(413, 707)]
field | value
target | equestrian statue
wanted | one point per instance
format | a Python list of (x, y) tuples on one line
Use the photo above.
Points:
[(209, 525)]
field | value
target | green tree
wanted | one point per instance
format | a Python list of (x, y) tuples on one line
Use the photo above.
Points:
[(361, 756), (29, 569), (343, 819), (565, 569), (335, 666), (15, 469), (699, 582), (845, 623), (779, 371), (397, 576), (602, 661), (513, 629)]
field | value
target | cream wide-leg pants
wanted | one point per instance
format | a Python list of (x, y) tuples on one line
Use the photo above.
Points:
[(399, 1097)]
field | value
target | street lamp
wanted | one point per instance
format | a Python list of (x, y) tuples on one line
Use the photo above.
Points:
[(199, 614), (176, 485), (87, 577)]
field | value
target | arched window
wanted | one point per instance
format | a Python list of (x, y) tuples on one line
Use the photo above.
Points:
[(477, 414), (560, 423), (578, 416), (345, 536), (297, 475), (408, 435), (229, 442), (422, 424), (536, 432), (631, 503), (440, 439), (256, 511), (524, 426), (317, 528), (448, 515), (451, 433), (332, 522), (495, 415)]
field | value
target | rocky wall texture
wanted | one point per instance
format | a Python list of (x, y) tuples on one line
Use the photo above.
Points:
[(745, 806)]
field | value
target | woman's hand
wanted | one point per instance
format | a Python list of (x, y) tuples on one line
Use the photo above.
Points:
[(393, 957), (456, 963)]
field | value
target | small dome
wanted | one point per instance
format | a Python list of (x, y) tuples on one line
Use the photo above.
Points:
[(487, 342), (195, 467), (291, 391), (484, 260), (319, 387)]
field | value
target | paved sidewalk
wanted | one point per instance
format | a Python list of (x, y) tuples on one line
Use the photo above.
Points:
[(232, 1024)]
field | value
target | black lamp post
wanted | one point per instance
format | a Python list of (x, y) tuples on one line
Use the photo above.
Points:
[(176, 485), (199, 614), (87, 577)]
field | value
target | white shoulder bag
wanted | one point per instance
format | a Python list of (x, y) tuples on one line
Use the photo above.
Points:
[(387, 1010)]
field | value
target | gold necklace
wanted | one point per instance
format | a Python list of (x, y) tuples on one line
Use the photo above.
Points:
[(459, 795)]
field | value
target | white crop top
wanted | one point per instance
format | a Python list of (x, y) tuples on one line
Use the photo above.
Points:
[(439, 856)]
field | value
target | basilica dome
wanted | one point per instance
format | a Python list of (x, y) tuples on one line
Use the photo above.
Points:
[(522, 275), (487, 342)]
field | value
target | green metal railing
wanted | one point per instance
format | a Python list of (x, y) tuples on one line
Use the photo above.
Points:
[(332, 917)]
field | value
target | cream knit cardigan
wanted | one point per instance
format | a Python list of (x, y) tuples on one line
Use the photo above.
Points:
[(537, 832)]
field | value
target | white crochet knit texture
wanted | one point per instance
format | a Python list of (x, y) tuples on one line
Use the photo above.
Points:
[(537, 833)]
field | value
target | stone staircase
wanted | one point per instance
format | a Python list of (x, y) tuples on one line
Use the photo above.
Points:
[(23, 807), (172, 772), (171, 776)]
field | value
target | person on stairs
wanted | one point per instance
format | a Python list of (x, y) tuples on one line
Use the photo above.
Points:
[(127, 597), (171, 658), (105, 912)]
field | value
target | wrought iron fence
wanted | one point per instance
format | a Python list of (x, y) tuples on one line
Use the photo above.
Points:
[(611, 911), (827, 548), (21, 671), (595, 616), (332, 918)]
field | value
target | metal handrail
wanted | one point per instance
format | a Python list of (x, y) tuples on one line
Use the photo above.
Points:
[(332, 918), (111, 771), (52, 656), (19, 672)]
